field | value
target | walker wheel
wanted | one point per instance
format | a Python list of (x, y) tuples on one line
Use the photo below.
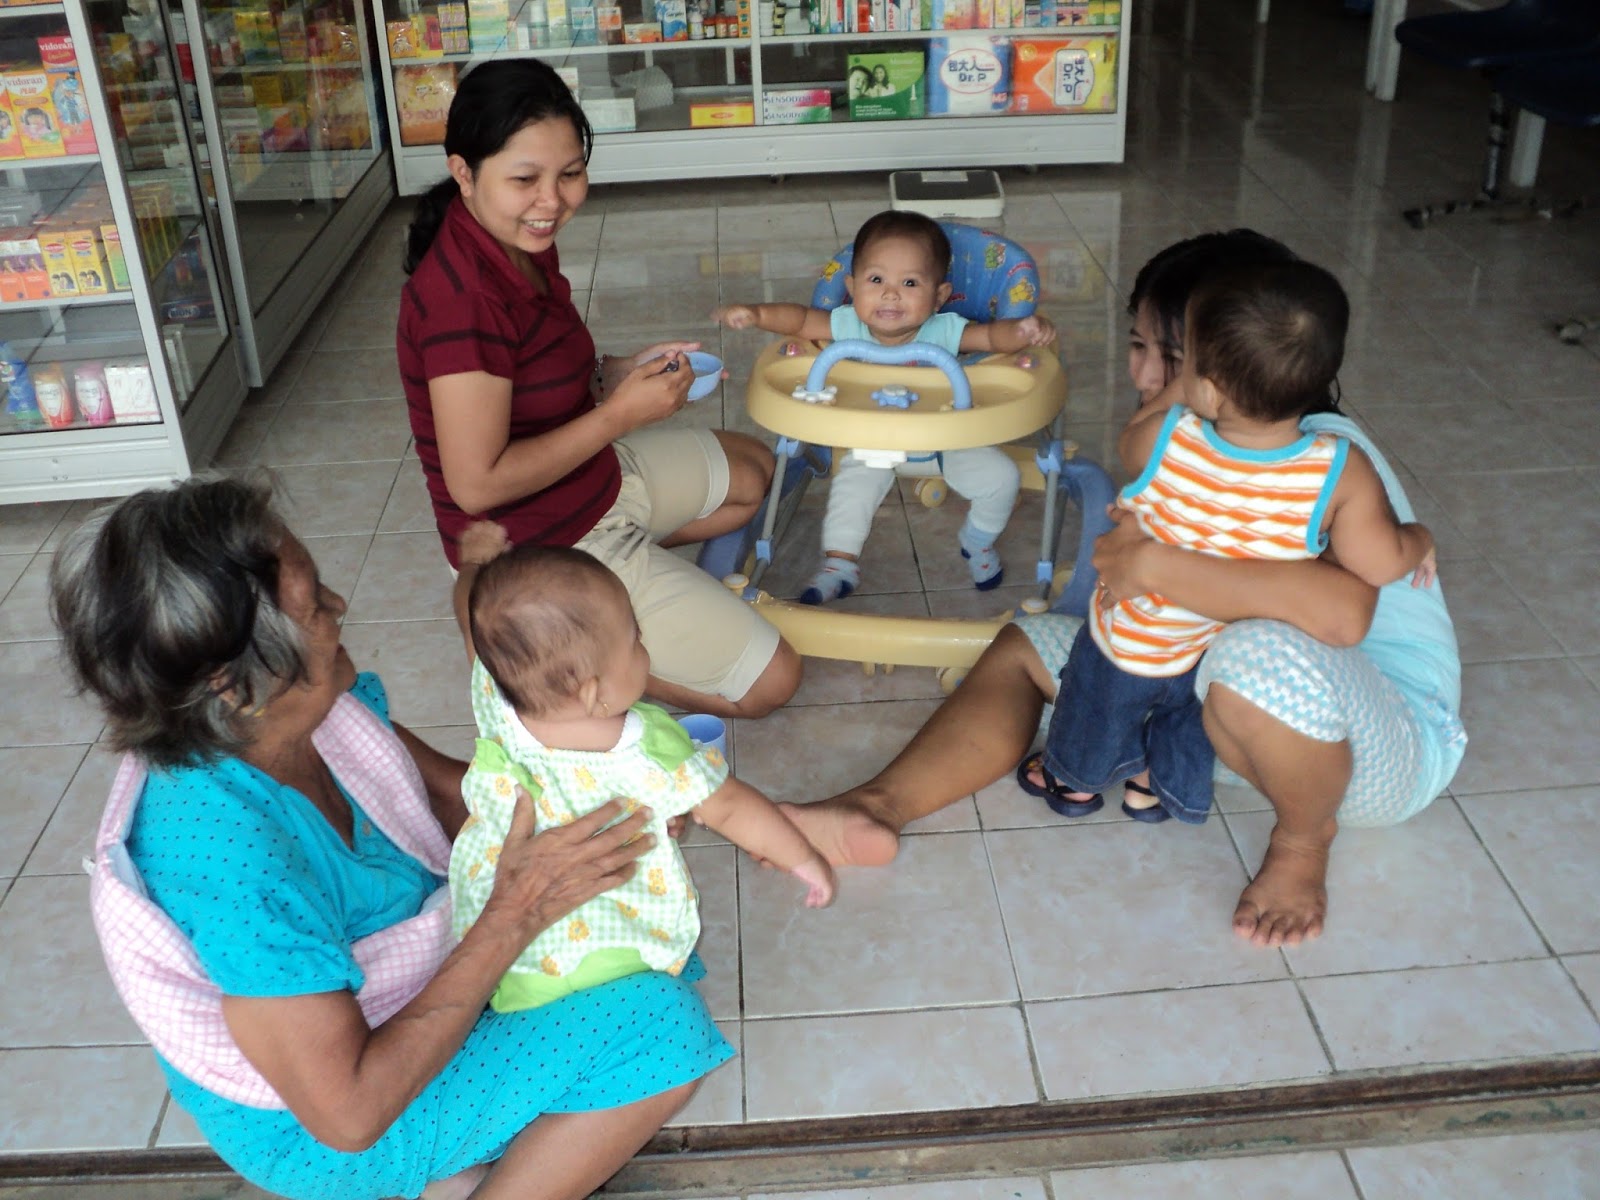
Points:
[(950, 678), (932, 492)]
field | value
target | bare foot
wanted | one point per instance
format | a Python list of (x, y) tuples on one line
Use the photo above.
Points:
[(1287, 900), (844, 833)]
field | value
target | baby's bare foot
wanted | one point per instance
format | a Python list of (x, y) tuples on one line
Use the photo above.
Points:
[(1288, 899), (844, 833)]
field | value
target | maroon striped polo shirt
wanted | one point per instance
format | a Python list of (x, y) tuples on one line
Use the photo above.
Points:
[(466, 308)]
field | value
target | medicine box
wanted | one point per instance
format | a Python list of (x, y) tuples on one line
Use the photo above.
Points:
[(708, 113), (885, 87)]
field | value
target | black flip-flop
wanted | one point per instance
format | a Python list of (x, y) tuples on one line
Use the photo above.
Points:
[(1153, 815), (1053, 792)]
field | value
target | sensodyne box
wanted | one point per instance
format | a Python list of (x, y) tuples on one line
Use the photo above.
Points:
[(969, 74)]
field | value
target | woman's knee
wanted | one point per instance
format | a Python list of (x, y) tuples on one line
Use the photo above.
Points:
[(750, 466), (775, 686)]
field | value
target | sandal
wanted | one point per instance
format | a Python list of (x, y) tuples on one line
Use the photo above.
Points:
[(1053, 792), (1153, 814)]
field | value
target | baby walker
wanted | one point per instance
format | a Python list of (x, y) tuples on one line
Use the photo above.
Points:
[(859, 394)]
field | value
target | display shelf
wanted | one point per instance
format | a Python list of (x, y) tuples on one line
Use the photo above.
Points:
[(9, 306), (60, 160), (32, 10), (1066, 102)]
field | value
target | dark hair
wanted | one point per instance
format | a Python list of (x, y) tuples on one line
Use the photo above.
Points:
[(494, 102), (915, 226), (167, 606), (536, 624), (1270, 336), (1169, 279)]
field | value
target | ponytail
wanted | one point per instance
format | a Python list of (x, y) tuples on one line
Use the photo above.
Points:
[(426, 220)]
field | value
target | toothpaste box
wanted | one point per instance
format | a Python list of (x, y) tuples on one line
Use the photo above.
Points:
[(796, 106)]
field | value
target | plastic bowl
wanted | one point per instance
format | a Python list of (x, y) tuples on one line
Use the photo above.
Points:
[(707, 370)]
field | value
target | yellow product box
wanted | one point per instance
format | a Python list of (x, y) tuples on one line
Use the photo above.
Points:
[(58, 262), (35, 113), (268, 89), (1064, 74), (708, 113), (87, 263), (402, 39), (116, 260)]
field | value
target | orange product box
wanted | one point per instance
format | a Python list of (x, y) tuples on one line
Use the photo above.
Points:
[(639, 32), (708, 113), (1064, 74), (10, 135), (58, 263), (35, 114), (56, 52), (402, 39), (87, 264), (25, 259)]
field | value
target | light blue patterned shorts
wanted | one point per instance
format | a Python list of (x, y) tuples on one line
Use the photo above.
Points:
[(1328, 693)]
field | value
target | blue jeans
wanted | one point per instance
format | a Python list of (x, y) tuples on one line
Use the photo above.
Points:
[(1109, 725)]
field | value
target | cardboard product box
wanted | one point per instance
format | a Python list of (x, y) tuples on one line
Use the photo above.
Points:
[(58, 263), (488, 22), (37, 123), (641, 32), (885, 87), (796, 106), (133, 393), (453, 27), (56, 52), (717, 113), (611, 114), (1064, 75), (87, 263), (969, 74), (26, 260), (11, 286), (402, 37), (609, 19), (116, 260), (422, 98), (293, 40), (954, 14), (673, 17), (10, 135)]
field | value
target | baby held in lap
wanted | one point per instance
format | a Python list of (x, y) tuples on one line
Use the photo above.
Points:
[(557, 687)]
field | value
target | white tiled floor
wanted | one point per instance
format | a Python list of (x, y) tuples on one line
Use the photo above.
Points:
[(1045, 960)]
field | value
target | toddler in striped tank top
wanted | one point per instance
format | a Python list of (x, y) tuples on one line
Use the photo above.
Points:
[(1220, 466)]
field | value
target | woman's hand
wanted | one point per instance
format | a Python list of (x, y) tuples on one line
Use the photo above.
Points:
[(541, 877), (653, 390), (1120, 556)]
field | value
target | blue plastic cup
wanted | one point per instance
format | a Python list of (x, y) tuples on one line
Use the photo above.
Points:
[(705, 730)]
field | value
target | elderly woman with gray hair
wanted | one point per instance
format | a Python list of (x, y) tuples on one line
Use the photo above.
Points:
[(268, 889)]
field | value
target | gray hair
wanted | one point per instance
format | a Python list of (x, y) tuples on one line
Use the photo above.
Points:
[(167, 607)]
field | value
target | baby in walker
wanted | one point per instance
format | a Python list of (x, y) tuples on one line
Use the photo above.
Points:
[(557, 683), (1220, 466), (897, 285)]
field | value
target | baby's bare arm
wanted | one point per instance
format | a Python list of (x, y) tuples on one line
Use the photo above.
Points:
[(1009, 335), (1365, 536), (754, 824), (793, 320)]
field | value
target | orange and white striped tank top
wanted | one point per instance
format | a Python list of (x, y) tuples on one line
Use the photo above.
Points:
[(1205, 494)]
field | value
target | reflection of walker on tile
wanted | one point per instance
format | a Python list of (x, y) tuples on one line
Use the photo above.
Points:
[(860, 394)]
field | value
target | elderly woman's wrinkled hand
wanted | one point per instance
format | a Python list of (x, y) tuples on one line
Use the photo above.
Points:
[(541, 877)]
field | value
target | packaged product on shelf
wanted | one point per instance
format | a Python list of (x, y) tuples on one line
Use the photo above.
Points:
[(585, 22), (969, 74), (402, 39), (90, 394), (25, 260), (427, 34), (58, 263), (569, 76), (983, 14), (36, 118), (487, 23), (609, 19), (422, 96), (453, 27), (1064, 75), (51, 394), (11, 287), (133, 393), (21, 406), (610, 114), (954, 14), (706, 113), (292, 44), (66, 93), (258, 36), (641, 32), (796, 106), (87, 265), (673, 17), (10, 135), (885, 87), (284, 127), (116, 260)]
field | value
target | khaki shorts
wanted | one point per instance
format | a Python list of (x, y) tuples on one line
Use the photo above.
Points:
[(699, 634)]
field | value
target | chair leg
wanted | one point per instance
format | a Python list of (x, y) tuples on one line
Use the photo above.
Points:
[(1499, 125), (1525, 149)]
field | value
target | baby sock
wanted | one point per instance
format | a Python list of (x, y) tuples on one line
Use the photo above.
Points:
[(983, 560), (837, 579)]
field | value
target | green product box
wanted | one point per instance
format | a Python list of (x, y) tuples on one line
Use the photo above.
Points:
[(885, 87)]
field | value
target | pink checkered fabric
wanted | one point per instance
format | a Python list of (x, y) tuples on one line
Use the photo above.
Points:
[(154, 966)]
